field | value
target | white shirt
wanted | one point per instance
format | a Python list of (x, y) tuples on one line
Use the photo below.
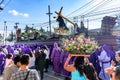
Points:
[(32, 61), (47, 54)]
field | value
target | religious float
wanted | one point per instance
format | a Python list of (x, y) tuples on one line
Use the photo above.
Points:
[(79, 45), (40, 36)]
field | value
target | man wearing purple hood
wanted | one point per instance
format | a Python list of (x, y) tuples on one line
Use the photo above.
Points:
[(105, 62), (55, 58), (94, 60), (63, 58)]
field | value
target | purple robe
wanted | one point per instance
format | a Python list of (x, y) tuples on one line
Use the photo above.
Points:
[(2, 61), (105, 60), (11, 50), (63, 58), (112, 53), (55, 58), (94, 60)]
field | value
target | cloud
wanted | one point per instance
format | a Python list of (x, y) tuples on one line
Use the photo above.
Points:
[(2, 5), (16, 13)]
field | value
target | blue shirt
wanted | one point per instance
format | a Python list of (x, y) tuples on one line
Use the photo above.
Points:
[(77, 76)]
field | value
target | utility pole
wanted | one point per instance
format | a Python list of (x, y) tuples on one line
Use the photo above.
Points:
[(87, 27), (16, 27), (76, 25), (87, 23), (49, 14), (47, 29), (5, 31)]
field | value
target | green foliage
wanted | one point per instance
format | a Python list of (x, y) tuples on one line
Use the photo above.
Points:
[(79, 45)]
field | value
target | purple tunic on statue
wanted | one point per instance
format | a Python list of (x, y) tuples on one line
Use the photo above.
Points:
[(55, 58)]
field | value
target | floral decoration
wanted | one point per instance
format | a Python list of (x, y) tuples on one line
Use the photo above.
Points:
[(79, 45)]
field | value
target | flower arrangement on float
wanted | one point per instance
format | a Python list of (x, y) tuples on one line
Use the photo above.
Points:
[(79, 45)]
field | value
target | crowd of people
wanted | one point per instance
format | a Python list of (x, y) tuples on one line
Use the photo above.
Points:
[(29, 62), (24, 62)]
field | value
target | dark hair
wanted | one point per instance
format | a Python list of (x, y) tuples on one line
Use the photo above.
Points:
[(118, 53), (45, 47), (17, 59), (30, 54), (1, 49), (36, 52), (90, 72), (4, 46), (79, 61), (9, 55), (24, 59), (117, 73)]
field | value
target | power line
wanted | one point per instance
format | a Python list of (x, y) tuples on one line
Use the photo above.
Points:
[(109, 12), (91, 9), (81, 7), (7, 3), (104, 10), (100, 6), (1, 2), (0, 5), (81, 14)]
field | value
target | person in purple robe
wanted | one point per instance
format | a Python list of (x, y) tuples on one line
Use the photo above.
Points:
[(112, 53), (55, 58), (2, 61), (63, 58), (105, 62), (10, 49), (94, 60)]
